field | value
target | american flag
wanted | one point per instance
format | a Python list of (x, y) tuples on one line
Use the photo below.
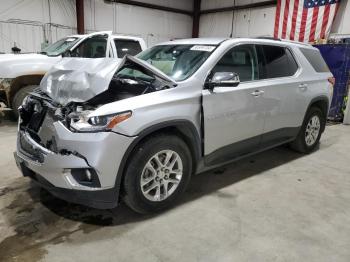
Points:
[(304, 20)]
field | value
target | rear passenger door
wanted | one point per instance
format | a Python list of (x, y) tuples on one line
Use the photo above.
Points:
[(283, 97)]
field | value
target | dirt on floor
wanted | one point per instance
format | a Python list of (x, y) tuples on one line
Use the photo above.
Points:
[(276, 206)]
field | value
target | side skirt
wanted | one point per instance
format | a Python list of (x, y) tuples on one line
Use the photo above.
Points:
[(246, 148)]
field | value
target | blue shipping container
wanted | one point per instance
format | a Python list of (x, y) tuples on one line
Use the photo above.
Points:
[(337, 57)]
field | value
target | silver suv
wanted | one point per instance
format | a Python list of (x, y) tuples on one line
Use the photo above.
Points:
[(100, 130)]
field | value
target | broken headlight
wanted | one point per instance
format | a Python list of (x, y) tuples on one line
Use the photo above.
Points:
[(99, 123)]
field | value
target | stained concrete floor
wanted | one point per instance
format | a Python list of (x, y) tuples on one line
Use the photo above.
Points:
[(275, 206)]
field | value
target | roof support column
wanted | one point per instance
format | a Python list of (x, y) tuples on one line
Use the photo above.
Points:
[(196, 17), (80, 16)]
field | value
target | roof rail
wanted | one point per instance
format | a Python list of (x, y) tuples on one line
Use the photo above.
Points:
[(268, 38)]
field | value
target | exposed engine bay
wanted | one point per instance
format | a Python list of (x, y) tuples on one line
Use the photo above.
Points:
[(57, 100)]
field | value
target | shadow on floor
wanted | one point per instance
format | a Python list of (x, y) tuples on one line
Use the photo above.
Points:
[(201, 185)]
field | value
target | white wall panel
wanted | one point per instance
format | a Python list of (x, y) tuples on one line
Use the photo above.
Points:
[(216, 24), (262, 21), (246, 23), (342, 21), (153, 25)]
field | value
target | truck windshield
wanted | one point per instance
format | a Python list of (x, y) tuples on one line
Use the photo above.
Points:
[(177, 61), (60, 46)]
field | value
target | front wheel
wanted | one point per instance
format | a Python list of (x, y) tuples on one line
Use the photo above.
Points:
[(310, 132), (157, 174)]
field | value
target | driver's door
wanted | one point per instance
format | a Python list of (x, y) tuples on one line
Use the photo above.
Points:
[(233, 115)]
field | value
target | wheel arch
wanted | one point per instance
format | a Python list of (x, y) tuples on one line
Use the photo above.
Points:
[(20, 82), (181, 128), (321, 102)]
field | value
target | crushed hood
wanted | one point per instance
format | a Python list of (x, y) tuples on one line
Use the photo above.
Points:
[(80, 79)]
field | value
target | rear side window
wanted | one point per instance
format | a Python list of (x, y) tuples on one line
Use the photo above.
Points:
[(315, 59), (125, 46), (277, 61)]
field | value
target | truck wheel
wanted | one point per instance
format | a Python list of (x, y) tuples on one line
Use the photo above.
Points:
[(19, 97), (157, 174), (310, 132)]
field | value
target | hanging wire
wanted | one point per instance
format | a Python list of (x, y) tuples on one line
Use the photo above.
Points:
[(233, 16)]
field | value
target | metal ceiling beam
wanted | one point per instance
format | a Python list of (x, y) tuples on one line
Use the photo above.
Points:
[(196, 17), (151, 6), (239, 7)]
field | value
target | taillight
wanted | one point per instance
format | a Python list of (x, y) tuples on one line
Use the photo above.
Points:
[(331, 80)]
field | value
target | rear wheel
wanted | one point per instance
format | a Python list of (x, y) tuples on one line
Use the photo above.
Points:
[(19, 97), (157, 174), (310, 132)]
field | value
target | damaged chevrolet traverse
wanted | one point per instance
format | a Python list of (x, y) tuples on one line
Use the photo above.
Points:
[(100, 130)]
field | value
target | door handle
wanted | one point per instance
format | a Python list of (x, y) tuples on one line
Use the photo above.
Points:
[(257, 93), (303, 86)]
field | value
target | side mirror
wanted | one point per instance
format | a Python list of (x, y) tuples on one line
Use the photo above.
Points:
[(230, 79)]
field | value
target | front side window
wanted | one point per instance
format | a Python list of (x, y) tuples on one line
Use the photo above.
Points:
[(60, 46), (177, 61), (93, 47), (125, 46), (276, 61), (241, 60)]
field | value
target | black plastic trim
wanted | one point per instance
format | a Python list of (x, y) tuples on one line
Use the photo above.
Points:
[(101, 199), (319, 99), (193, 136), (251, 146)]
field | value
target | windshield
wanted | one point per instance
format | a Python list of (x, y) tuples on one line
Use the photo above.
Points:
[(60, 46), (177, 61)]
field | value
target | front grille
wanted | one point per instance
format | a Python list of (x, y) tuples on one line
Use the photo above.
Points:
[(28, 149)]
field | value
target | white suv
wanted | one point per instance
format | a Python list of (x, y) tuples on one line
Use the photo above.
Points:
[(21, 73), (98, 131)]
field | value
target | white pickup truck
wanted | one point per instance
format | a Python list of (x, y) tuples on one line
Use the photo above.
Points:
[(21, 73)]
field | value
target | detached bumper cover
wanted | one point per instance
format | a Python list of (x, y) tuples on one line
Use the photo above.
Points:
[(102, 152), (101, 199)]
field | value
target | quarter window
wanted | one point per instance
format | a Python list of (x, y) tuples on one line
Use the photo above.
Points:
[(315, 59), (241, 60)]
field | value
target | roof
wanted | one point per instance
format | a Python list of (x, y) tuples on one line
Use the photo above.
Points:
[(196, 41), (217, 41)]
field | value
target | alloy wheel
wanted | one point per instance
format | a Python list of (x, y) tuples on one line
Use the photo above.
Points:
[(161, 175), (312, 130)]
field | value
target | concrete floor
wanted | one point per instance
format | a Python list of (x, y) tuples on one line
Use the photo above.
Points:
[(276, 206)]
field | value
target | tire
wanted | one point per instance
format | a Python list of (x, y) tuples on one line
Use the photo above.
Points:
[(136, 196), (19, 97), (303, 142)]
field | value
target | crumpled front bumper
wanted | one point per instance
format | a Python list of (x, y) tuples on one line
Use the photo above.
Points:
[(101, 152)]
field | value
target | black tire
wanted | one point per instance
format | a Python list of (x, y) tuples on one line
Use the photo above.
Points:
[(299, 144), (19, 97), (134, 196)]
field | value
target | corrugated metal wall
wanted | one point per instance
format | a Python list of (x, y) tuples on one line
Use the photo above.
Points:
[(30, 22)]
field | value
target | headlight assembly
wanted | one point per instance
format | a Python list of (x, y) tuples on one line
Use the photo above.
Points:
[(99, 123)]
